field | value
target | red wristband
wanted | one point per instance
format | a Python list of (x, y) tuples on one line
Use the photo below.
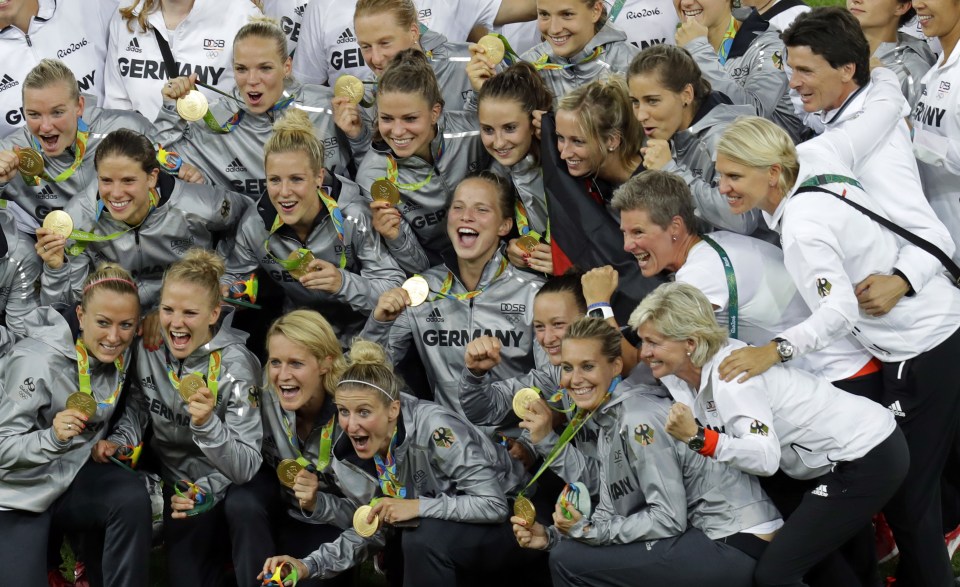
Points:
[(710, 440)]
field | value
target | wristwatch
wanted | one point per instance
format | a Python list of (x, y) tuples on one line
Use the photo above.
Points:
[(600, 311), (785, 349), (698, 440)]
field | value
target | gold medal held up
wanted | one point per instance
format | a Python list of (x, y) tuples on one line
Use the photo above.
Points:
[(83, 403), (189, 385), (30, 162), (494, 48), (302, 267), (523, 509), (522, 399), (385, 191), (192, 106), (59, 222), (418, 289), (287, 472), (360, 524), (528, 243), (348, 86)]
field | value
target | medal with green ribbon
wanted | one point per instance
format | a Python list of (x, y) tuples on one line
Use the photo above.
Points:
[(83, 238), (448, 285), (733, 303), (544, 61), (234, 121), (529, 239), (212, 380), (83, 399), (80, 147), (323, 449), (296, 263)]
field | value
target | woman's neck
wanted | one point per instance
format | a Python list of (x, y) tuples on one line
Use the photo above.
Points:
[(691, 376), (686, 243), (773, 199), (425, 152), (716, 33), (877, 35), (614, 171), (175, 11), (472, 270), (22, 18), (948, 42), (308, 413)]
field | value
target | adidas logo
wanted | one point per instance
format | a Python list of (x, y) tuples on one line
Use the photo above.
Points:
[(435, 316), (236, 166), (346, 37), (821, 491), (299, 10), (896, 409), (46, 194), (8, 82), (134, 46)]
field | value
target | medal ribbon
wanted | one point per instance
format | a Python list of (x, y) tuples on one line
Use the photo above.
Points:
[(727, 41), (543, 61), (213, 374), (448, 285), (83, 374), (393, 171), (387, 472), (234, 121), (510, 56), (733, 304), (615, 10), (523, 224), (82, 238), (336, 216), (326, 442), (83, 133)]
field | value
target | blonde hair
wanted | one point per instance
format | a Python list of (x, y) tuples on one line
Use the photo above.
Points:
[(404, 11), (605, 111), (311, 330), (756, 142), (681, 312), (294, 133), (51, 71), (110, 278), (597, 329), (264, 27), (148, 7), (199, 267), (368, 368)]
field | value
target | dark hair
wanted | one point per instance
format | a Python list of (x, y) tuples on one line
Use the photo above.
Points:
[(908, 15), (674, 67), (568, 283), (522, 84), (127, 143), (409, 72), (506, 193), (834, 34), (661, 194)]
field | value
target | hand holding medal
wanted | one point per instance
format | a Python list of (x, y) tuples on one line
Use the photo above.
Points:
[(9, 164), (302, 480), (282, 570), (393, 302), (193, 390), (394, 510), (188, 500), (72, 420)]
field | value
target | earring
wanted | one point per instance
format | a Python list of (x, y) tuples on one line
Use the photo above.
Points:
[(674, 239), (688, 353), (610, 149)]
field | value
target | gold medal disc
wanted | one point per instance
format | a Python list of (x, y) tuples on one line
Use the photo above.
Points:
[(385, 191), (31, 162), (348, 86), (523, 509), (83, 403), (193, 106), (59, 222), (360, 522), (494, 48), (302, 267), (189, 385), (287, 472), (417, 288), (528, 243), (522, 399)]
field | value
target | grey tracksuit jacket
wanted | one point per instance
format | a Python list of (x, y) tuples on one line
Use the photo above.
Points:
[(527, 177), (423, 232), (910, 58), (235, 160), (617, 53), (442, 328), (370, 269), (226, 448), (185, 217), (19, 271), (753, 73), (694, 152), (653, 486), (37, 377), (456, 472), (37, 201)]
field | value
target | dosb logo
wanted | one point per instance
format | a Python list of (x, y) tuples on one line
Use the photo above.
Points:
[(513, 308), (214, 44)]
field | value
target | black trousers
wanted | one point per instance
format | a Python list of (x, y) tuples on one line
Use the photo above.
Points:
[(837, 509), (688, 560), (926, 394)]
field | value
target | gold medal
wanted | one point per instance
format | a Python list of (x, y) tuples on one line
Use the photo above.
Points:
[(528, 243), (31, 162), (522, 399), (494, 48), (58, 222), (348, 86), (189, 386), (417, 288), (287, 472), (304, 261), (83, 403), (523, 509), (360, 522), (192, 106), (385, 191)]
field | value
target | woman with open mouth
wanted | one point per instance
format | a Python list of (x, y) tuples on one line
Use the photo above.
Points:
[(682, 119), (665, 513), (741, 55), (227, 145), (200, 394), (420, 152), (310, 210), (140, 218), (429, 476), (474, 292), (62, 384)]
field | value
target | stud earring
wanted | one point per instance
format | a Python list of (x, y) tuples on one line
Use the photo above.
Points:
[(674, 239)]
